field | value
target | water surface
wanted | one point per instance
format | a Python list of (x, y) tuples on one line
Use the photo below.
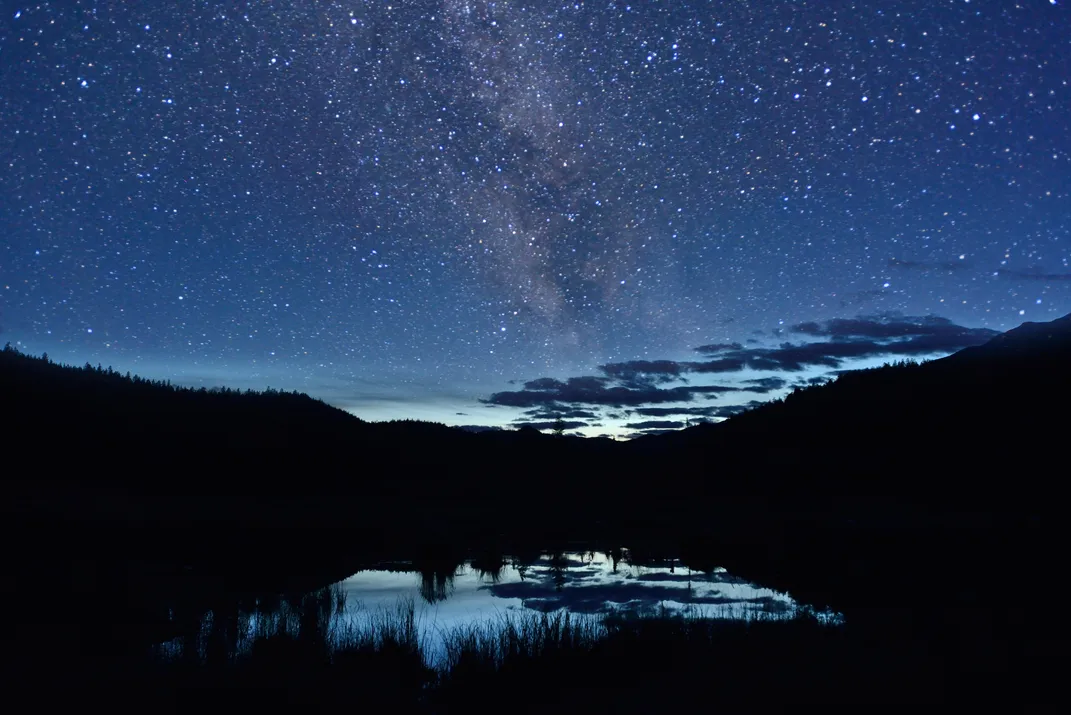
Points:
[(447, 597), (589, 583)]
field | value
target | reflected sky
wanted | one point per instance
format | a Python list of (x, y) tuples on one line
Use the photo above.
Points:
[(478, 598), (583, 583)]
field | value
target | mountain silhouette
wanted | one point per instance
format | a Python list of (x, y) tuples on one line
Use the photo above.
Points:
[(925, 432), (1047, 342), (980, 426), (838, 493)]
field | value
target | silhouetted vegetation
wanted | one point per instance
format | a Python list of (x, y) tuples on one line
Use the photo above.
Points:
[(317, 651), (147, 501)]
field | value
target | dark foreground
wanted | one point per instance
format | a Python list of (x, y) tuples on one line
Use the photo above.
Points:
[(922, 502), (288, 655), (650, 665), (87, 628)]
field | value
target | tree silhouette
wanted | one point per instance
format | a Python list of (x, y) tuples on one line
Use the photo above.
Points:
[(559, 426)]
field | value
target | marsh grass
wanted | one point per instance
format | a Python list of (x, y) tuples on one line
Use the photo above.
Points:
[(658, 659), (325, 623), (511, 638), (324, 626), (318, 649)]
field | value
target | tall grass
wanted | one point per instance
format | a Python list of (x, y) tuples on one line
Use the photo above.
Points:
[(605, 660), (397, 630), (324, 623), (320, 649), (512, 637)]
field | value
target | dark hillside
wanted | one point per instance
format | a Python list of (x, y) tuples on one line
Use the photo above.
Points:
[(956, 432), (984, 427), (121, 447), (904, 496), (952, 432), (890, 494), (108, 415)]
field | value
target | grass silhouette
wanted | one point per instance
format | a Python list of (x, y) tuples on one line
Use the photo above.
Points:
[(316, 651)]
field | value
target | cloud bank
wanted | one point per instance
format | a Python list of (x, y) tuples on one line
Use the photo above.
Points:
[(640, 387)]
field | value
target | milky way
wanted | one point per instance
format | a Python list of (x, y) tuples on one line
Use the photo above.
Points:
[(403, 208)]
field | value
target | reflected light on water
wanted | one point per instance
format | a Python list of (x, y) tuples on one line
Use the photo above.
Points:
[(450, 597), (588, 583)]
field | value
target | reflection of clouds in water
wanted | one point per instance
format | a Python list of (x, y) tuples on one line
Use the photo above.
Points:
[(632, 595), (590, 585), (585, 583), (580, 582)]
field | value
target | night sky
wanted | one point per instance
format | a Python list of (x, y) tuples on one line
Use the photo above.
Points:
[(489, 213)]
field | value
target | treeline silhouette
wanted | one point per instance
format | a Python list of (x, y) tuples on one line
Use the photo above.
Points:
[(102, 407), (977, 430), (982, 428), (94, 427), (261, 472), (905, 436)]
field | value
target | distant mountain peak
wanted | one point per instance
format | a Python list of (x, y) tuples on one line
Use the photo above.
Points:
[(1031, 330), (1029, 339)]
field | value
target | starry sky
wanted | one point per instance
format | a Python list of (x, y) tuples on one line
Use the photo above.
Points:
[(491, 213)]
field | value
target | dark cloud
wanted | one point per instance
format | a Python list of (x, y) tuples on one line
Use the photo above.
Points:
[(932, 344), (699, 413), (929, 266), (717, 348), (552, 424), (762, 385), (655, 424), (1034, 275), (890, 326), (786, 357), (596, 391), (733, 364), (549, 383), (638, 383), (639, 374), (677, 411), (480, 428), (851, 338), (643, 370), (793, 358), (553, 412)]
